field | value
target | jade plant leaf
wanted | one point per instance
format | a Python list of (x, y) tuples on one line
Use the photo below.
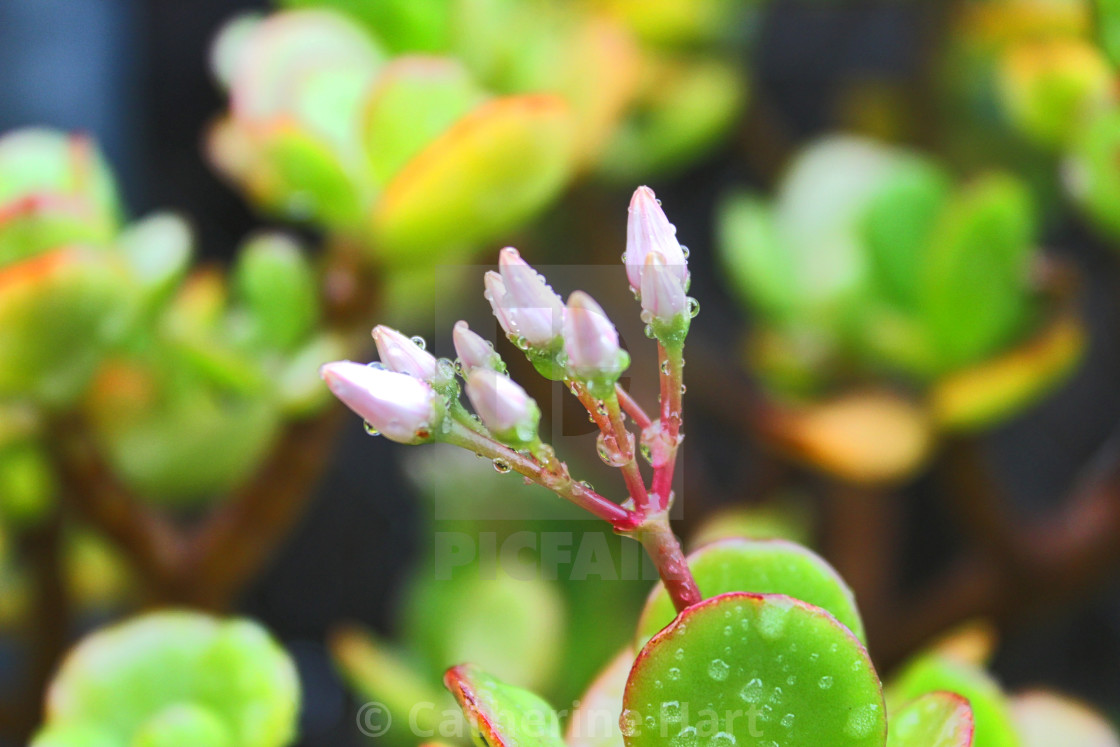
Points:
[(934, 720), (278, 286), (415, 100), (491, 170), (158, 252), (1045, 719), (174, 678), (757, 265), (752, 670), (934, 672), (760, 567), (501, 715), (594, 723), (58, 310), (1092, 176), (975, 285)]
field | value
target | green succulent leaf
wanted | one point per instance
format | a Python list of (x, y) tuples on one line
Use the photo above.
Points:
[(760, 567), (278, 286), (174, 678), (758, 265), (753, 669), (58, 311), (936, 672), (493, 169), (157, 250), (1092, 173), (594, 723), (897, 227), (27, 483), (502, 715), (401, 25), (975, 290), (933, 720), (416, 99)]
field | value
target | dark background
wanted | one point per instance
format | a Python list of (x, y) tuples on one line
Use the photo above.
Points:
[(135, 75)]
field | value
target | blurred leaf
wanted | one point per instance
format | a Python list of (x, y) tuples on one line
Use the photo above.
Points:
[(493, 169), (809, 680), (158, 251), (514, 621), (27, 484), (759, 567), (501, 715), (158, 677), (897, 226), (934, 672), (594, 722), (933, 720), (57, 313), (278, 286), (975, 288), (1045, 719), (1108, 27), (416, 99), (758, 265), (401, 25), (786, 517), (978, 396), (299, 388), (1092, 170)]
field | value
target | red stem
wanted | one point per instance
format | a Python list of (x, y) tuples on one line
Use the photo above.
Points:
[(665, 551), (631, 407)]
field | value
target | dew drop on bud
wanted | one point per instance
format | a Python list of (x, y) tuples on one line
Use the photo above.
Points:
[(693, 306), (665, 367), (649, 331), (370, 429), (501, 466), (420, 342)]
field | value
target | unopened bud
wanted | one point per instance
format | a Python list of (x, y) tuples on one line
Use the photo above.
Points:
[(474, 351), (403, 355), (399, 406), (525, 306), (591, 341), (649, 230), (503, 406), (663, 297)]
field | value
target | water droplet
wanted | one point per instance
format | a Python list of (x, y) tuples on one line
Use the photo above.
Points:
[(671, 711), (649, 331), (722, 739), (791, 680), (861, 721), (752, 691), (686, 738), (776, 696), (420, 342), (684, 251), (718, 670), (787, 720), (814, 656), (674, 674), (628, 722), (693, 306), (370, 429), (679, 654), (772, 619), (825, 682), (683, 388), (501, 466)]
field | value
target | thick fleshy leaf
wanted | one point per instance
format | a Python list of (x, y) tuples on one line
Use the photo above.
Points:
[(53, 187), (1046, 719), (57, 312), (866, 437), (758, 266), (415, 100), (594, 723), (384, 674), (933, 720), (502, 715), (158, 252), (513, 621), (979, 396), (937, 672), (278, 286), (493, 169), (786, 517), (165, 675), (298, 384), (401, 25), (759, 567), (897, 227), (1092, 173), (27, 483), (749, 669), (975, 290), (687, 106)]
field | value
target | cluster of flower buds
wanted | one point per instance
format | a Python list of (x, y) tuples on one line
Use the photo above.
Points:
[(410, 396)]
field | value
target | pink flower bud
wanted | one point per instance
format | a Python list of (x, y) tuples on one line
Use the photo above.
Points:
[(590, 340), (648, 230), (663, 295), (496, 295), (474, 351), (533, 310), (401, 407), (399, 353), (503, 406)]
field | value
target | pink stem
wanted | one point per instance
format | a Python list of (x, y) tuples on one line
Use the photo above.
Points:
[(620, 518), (665, 551), (631, 407), (670, 365)]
